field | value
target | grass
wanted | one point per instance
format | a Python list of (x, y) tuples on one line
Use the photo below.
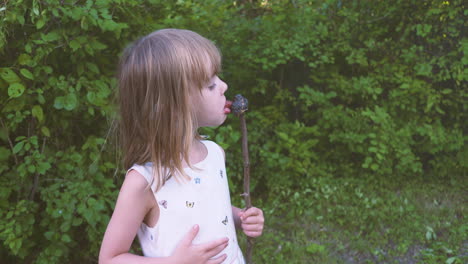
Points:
[(354, 221)]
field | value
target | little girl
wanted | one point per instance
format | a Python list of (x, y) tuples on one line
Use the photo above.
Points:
[(175, 195)]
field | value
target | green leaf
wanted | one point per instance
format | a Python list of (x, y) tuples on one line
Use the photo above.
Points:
[(40, 99), (28, 48), (59, 102), (45, 131), (42, 167), (423, 69), (451, 260), (3, 134), (51, 36), (93, 67), (423, 29), (91, 96), (4, 153), (24, 59), (65, 226), (31, 168), (49, 235), (26, 73), (315, 248), (47, 69), (16, 245), (77, 13), (38, 113), (91, 111), (428, 235), (108, 25), (77, 221), (66, 238), (40, 23), (71, 101), (9, 215), (74, 45), (84, 23), (33, 140), (283, 135), (20, 138), (35, 10), (98, 45), (9, 75), (21, 20), (446, 91), (16, 90), (18, 147)]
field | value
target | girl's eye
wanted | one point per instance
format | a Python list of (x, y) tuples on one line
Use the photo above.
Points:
[(212, 86)]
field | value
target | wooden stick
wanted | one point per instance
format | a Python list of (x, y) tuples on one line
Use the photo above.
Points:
[(246, 194), (245, 155), (239, 106)]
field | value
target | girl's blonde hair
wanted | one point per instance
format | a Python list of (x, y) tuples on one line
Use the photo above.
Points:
[(157, 76)]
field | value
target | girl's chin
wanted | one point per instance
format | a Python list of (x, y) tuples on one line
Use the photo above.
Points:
[(215, 123)]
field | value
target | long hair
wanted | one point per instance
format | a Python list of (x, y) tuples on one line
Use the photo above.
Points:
[(158, 74)]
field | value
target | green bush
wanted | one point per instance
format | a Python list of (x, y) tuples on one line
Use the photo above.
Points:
[(343, 94)]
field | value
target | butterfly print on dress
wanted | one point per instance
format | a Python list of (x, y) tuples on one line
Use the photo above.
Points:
[(163, 203)]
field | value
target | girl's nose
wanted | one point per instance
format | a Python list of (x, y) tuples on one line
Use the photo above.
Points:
[(224, 87)]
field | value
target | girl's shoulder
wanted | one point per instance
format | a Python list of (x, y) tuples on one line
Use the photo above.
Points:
[(136, 180), (135, 189), (145, 171)]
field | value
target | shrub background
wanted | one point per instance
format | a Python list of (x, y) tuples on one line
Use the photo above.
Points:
[(346, 97)]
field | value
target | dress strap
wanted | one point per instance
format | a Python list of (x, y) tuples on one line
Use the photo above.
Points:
[(146, 171)]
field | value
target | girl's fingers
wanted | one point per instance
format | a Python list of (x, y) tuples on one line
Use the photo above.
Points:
[(216, 250), (217, 260), (252, 228), (215, 244), (190, 236), (252, 220), (251, 213), (252, 234)]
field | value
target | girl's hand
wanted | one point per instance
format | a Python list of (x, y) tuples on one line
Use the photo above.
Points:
[(188, 253), (252, 221)]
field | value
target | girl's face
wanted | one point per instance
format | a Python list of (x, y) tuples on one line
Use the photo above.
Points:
[(211, 105)]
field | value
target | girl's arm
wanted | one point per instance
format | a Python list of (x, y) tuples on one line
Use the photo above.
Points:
[(235, 214), (133, 203), (251, 221)]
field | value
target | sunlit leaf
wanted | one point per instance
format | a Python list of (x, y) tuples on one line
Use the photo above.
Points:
[(16, 90), (26, 73)]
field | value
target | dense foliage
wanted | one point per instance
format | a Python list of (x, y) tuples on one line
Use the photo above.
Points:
[(351, 102)]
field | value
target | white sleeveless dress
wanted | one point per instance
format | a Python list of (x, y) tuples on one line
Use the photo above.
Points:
[(205, 201)]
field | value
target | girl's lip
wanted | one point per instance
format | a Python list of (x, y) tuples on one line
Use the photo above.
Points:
[(227, 107)]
